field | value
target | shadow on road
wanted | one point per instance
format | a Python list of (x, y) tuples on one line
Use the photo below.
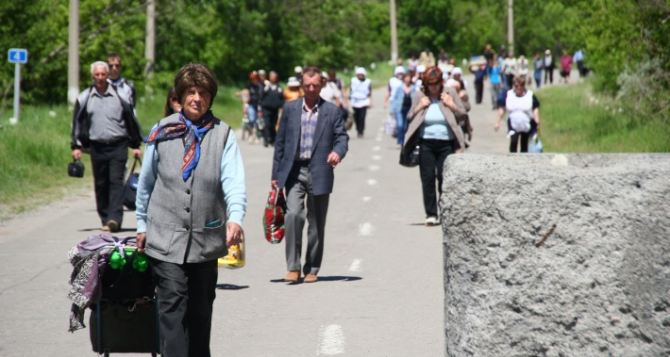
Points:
[(231, 287), (122, 230), (423, 224), (323, 279), (339, 278)]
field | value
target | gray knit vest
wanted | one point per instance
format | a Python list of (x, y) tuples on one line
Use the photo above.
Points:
[(186, 221)]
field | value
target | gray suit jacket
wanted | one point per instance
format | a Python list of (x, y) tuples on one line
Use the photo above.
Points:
[(329, 136)]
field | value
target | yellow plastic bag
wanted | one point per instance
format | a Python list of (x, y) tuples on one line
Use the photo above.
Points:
[(235, 257)]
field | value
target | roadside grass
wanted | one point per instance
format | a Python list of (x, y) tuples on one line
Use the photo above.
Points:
[(33, 158), (574, 119)]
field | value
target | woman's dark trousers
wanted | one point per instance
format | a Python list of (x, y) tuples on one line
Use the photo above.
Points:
[(185, 294), (432, 155), (359, 119), (514, 140)]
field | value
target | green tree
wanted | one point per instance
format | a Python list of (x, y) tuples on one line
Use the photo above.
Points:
[(425, 24), (40, 27)]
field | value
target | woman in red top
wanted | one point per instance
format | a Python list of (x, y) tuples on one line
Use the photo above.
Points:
[(566, 66)]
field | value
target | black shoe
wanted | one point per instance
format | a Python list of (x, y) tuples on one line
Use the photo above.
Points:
[(112, 226)]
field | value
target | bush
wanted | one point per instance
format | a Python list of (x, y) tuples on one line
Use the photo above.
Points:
[(575, 119), (644, 91)]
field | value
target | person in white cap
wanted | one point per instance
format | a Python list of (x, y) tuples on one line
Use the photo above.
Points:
[(549, 66), (457, 74), (359, 96), (395, 83), (298, 73), (330, 92), (292, 90)]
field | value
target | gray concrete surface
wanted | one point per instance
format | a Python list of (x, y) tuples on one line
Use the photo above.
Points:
[(557, 255)]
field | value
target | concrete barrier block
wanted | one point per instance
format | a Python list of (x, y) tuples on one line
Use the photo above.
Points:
[(557, 255)]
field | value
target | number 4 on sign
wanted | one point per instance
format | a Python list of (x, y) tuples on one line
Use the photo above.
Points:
[(17, 55)]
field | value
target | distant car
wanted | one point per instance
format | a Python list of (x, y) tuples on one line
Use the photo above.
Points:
[(477, 60)]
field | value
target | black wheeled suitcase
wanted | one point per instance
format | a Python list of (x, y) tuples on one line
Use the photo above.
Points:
[(125, 319)]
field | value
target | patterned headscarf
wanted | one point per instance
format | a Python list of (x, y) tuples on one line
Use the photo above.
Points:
[(191, 135)]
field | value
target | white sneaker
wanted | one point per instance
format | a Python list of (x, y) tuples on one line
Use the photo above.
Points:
[(432, 221), (510, 133)]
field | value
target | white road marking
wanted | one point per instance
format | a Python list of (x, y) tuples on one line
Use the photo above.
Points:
[(376, 148), (372, 182), (331, 340), (376, 157), (355, 266), (379, 138), (367, 198), (365, 229), (374, 167)]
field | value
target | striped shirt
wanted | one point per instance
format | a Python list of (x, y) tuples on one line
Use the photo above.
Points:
[(308, 121)]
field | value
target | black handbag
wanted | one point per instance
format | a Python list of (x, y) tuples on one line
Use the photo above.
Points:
[(409, 157), (410, 152), (346, 118), (75, 169), (130, 188)]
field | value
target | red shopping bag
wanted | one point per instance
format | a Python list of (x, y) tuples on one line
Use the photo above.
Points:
[(273, 217)]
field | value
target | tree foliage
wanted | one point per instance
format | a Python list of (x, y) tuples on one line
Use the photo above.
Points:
[(425, 25), (231, 36), (236, 36)]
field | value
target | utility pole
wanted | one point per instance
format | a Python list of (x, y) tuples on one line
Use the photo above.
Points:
[(150, 40), (394, 33), (73, 53), (510, 26)]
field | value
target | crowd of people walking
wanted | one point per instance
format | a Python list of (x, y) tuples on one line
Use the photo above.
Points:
[(191, 195)]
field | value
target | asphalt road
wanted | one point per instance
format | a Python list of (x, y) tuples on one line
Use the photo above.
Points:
[(380, 291)]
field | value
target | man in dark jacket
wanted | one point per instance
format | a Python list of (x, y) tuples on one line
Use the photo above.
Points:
[(271, 103), (124, 87), (310, 143), (104, 125)]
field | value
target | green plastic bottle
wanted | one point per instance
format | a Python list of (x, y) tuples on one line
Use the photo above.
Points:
[(116, 261), (140, 263)]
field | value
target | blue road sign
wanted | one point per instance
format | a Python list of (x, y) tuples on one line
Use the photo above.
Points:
[(17, 55)]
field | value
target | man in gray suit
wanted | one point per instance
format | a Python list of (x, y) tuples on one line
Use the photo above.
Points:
[(311, 141)]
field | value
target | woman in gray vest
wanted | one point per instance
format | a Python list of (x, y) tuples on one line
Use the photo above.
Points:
[(191, 200)]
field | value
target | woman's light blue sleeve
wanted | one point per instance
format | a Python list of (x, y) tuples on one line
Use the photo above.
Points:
[(233, 180), (145, 186)]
